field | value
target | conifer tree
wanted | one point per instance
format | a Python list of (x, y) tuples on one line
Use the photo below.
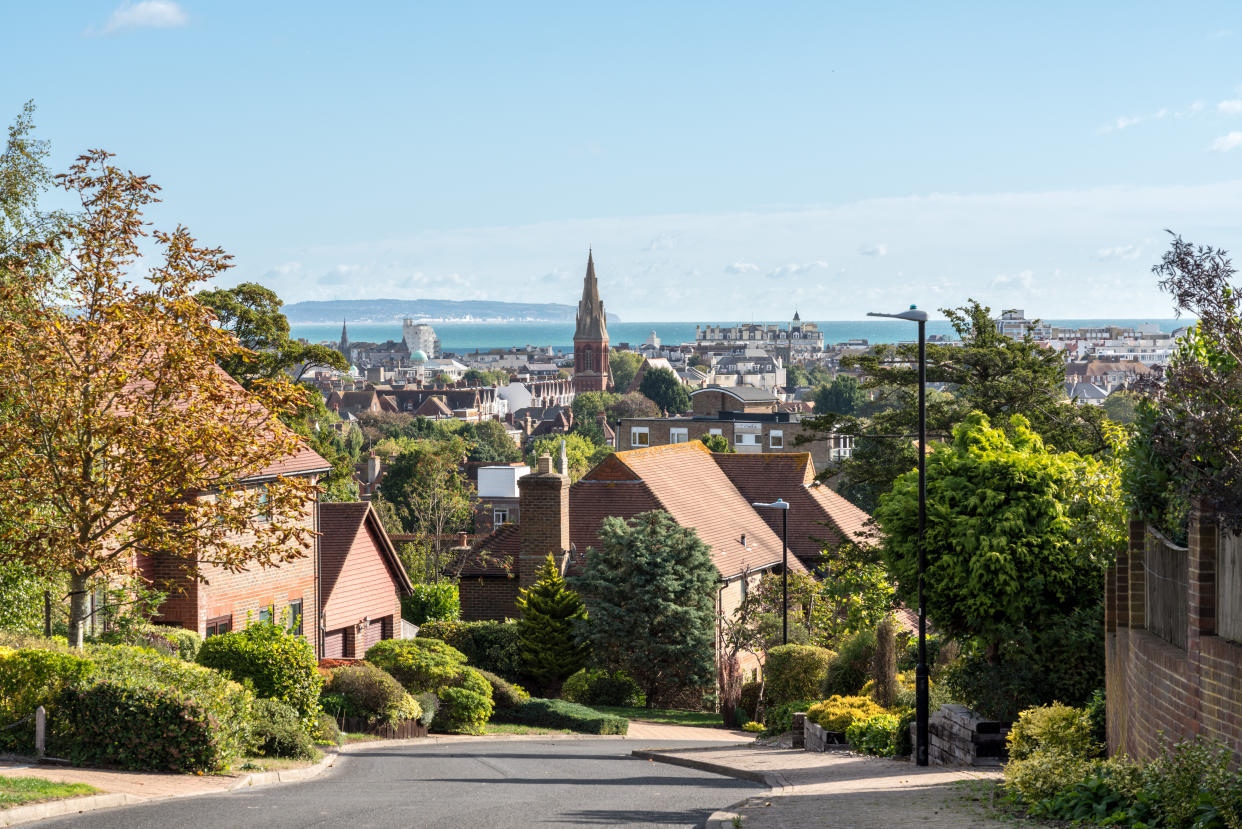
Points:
[(551, 613)]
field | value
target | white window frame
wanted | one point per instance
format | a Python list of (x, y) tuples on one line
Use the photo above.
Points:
[(776, 439), (715, 432), (747, 439), (679, 434), (500, 515), (637, 432)]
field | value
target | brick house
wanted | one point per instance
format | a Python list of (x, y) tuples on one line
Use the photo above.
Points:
[(361, 580)]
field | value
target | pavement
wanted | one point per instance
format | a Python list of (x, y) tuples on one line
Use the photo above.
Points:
[(841, 789)]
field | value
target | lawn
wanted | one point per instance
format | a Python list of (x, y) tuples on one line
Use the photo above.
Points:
[(516, 728), (671, 716), (15, 791)]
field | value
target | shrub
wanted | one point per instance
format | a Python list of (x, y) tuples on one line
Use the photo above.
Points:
[(327, 732), (280, 665), (851, 667), (558, 713), (837, 713), (753, 727), (489, 646), (366, 691), (595, 686), (748, 700), (278, 732), (30, 678), (779, 718), (466, 706), (431, 601), (418, 664), (505, 695), (1053, 728), (172, 641), (552, 619), (795, 672), (430, 704), (874, 735), (1042, 774)]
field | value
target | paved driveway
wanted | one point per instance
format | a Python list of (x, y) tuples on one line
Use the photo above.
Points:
[(476, 784)]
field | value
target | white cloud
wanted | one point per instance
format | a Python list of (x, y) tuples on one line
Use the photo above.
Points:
[(1228, 142), (795, 269), (1125, 252), (146, 14), (877, 249), (1024, 280), (742, 267), (1232, 106)]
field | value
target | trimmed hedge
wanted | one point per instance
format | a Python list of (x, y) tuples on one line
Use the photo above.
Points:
[(280, 665), (594, 686), (29, 678), (488, 646), (364, 690), (506, 695), (431, 601), (557, 713), (431, 665), (795, 672), (466, 705), (172, 641), (278, 732)]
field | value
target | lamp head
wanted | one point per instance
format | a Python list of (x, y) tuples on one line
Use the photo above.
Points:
[(911, 315)]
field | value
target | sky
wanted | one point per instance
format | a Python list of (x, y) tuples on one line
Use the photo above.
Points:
[(726, 161)]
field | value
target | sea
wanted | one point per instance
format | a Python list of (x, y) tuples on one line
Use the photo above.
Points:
[(464, 337)]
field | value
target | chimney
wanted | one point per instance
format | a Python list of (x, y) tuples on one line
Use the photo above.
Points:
[(373, 469), (543, 503)]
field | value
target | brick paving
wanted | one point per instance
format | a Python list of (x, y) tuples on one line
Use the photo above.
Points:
[(139, 784)]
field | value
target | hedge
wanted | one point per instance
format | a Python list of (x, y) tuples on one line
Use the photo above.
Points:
[(431, 665), (557, 713), (431, 601), (488, 646), (506, 695), (363, 690), (29, 678), (279, 733), (594, 686), (172, 641), (466, 705), (280, 665), (795, 672)]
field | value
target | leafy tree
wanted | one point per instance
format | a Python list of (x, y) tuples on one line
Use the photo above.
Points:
[(623, 366), (488, 442), (550, 628), (663, 388), (842, 396), (632, 404), (486, 377), (252, 313), (697, 360), (24, 176), (431, 498), (1120, 406), (716, 443), (651, 593), (107, 439), (316, 424), (581, 453), (590, 405), (21, 594), (796, 375), (1016, 534)]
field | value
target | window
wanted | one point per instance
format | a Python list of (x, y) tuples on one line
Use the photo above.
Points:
[(295, 617), (747, 440), (678, 434), (265, 614), (776, 439), (500, 516), (218, 625), (716, 432), (639, 436), (263, 512)]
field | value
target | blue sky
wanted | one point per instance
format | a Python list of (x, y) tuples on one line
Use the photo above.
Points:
[(725, 160)]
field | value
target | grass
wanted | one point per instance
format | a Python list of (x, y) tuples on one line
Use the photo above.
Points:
[(257, 763), (670, 716), (15, 791), (515, 728)]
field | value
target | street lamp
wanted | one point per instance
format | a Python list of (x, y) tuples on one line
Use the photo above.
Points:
[(783, 506), (920, 674)]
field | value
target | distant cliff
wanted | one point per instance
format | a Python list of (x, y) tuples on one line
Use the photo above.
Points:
[(395, 310)]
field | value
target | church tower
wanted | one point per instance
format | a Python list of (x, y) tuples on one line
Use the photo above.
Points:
[(343, 346), (591, 337)]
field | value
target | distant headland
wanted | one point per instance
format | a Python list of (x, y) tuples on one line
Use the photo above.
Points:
[(429, 310)]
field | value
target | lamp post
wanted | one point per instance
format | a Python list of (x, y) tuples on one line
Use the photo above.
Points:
[(920, 674), (783, 506)]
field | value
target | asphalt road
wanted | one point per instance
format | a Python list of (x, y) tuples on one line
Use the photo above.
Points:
[(477, 784)]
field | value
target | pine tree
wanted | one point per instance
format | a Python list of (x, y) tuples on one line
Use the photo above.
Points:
[(551, 615)]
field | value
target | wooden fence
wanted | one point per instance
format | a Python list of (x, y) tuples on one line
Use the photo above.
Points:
[(1167, 571), (1229, 587)]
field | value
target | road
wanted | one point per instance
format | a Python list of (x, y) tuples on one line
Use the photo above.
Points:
[(477, 784)]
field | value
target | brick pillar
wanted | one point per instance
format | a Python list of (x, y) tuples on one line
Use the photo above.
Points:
[(544, 524), (1201, 603), (1137, 577)]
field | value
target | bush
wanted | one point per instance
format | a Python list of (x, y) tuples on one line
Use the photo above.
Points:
[(488, 646), (278, 732), (418, 664), (594, 686), (752, 726), (558, 713), (748, 699), (327, 732), (837, 713), (875, 735), (30, 678), (505, 695), (365, 691), (779, 718), (466, 706), (1053, 728), (430, 704), (280, 666), (851, 667), (795, 672), (172, 641), (431, 601)]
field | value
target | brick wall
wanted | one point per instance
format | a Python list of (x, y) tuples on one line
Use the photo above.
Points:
[(545, 518), (1159, 693), (658, 434), (488, 598)]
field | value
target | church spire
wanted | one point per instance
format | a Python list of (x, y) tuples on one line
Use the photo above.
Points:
[(344, 346), (592, 321)]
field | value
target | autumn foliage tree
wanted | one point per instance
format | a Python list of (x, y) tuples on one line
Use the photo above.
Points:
[(119, 435)]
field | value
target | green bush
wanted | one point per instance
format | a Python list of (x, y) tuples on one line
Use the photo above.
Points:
[(279, 733), (779, 718), (505, 695), (837, 713), (558, 713), (851, 667), (465, 706), (431, 601), (279, 665), (595, 686), (363, 690), (795, 672), (430, 704), (172, 641), (29, 678), (1053, 728), (875, 735), (748, 700), (327, 732), (418, 664), (488, 646)]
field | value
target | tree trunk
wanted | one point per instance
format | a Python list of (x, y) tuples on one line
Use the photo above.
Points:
[(77, 609)]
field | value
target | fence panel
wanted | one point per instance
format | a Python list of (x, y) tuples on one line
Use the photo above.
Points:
[(1229, 587), (1168, 589)]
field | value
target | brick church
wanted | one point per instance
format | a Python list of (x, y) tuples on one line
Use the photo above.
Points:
[(591, 371)]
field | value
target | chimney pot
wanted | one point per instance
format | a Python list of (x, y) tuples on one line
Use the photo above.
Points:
[(544, 464)]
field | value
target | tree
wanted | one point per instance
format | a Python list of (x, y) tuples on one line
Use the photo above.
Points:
[(316, 424), (843, 396), (591, 404), (484, 377), (632, 404), (24, 177), (488, 442), (582, 454), (252, 313), (623, 365), (651, 593), (796, 376), (431, 498), (550, 629), (663, 388), (716, 443), (1120, 406), (109, 440)]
